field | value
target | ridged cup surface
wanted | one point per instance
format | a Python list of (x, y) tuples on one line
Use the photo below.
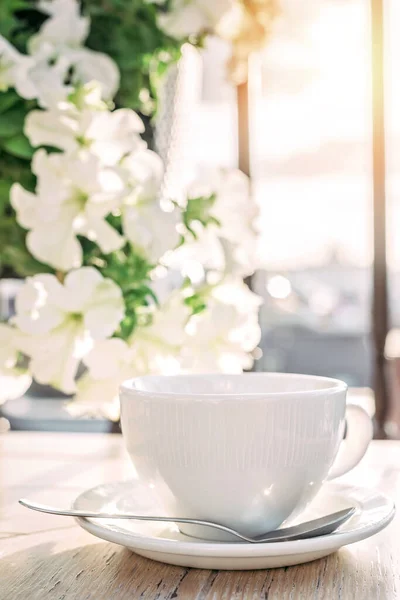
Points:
[(247, 451)]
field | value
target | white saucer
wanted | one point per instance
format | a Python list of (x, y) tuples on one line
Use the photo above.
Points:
[(165, 543)]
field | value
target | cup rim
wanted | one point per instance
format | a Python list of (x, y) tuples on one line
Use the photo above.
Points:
[(128, 387)]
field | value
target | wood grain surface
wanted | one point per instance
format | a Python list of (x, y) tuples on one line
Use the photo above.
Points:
[(50, 558)]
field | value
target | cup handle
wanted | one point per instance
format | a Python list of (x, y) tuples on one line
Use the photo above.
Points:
[(352, 449)]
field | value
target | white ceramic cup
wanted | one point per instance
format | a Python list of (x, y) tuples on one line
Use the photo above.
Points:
[(247, 451)]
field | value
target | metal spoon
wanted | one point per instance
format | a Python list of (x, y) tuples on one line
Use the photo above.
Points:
[(316, 527)]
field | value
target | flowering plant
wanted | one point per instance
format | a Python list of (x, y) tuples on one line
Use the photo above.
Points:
[(121, 280)]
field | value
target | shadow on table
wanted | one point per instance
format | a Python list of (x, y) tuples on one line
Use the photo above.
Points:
[(104, 571)]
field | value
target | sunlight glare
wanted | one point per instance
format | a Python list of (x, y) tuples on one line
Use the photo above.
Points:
[(279, 287)]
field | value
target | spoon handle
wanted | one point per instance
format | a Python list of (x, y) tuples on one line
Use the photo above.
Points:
[(309, 529)]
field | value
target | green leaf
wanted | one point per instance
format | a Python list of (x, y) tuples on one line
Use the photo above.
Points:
[(14, 254), (12, 122), (5, 186), (19, 20), (8, 99), (19, 146), (14, 168), (23, 262), (198, 209), (144, 291), (196, 303)]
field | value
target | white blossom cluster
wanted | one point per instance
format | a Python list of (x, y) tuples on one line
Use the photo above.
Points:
[(96, 166)]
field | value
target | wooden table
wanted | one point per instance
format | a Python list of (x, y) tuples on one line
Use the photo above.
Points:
[(45, 557)]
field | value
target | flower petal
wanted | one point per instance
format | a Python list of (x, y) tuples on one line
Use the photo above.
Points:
[(80, 287), (96, 397), (237, 213), (8, 351), (105, 359), (143, 171), (13, 384), (82, 172), (25, 205), (55, 357), (38, 305), (48, 81), (94, 66), (240, 259), (65, 26), (184, 20), (106, 237), (221, 338), (150, 229), (14, 69), (51, 128), (105, 311), (55, 245), (114, 134)]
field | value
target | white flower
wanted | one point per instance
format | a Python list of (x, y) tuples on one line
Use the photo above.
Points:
[(96, 397), (74, 195), (58, 63), (157, 347), (13, 384), (14, 68), (89, 66), (65, 26), (85, 97), (8, 349), (233, 208), (108, 135), (58, 78), (14, 380), (221, 337), (48, 75), (143, 173), (58, 323), (232, 245), (154, 349), (193, 17), (109, 363), (52, 7), (150, 229), (61, 39), (207, 251), (67, 100), (240, 258)]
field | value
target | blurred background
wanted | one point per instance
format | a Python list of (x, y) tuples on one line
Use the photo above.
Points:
[(311, 167), (312, 175)]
